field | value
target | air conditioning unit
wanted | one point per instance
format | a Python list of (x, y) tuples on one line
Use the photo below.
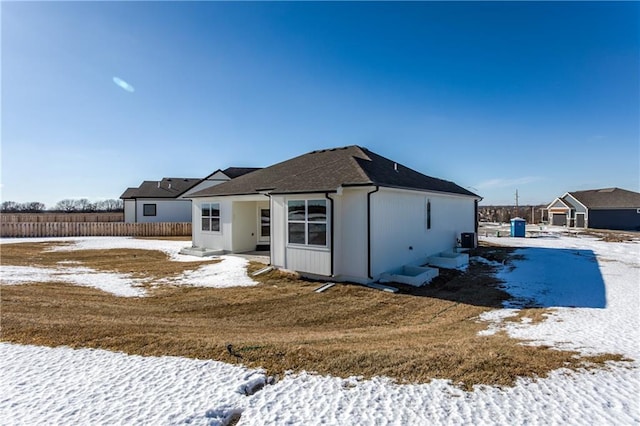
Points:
[(468, 240)]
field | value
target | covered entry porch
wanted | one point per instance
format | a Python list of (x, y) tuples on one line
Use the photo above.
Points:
[(233, 224), (250, 226)]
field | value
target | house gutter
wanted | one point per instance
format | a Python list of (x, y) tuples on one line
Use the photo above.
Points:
[(369, 230), (326, 195)]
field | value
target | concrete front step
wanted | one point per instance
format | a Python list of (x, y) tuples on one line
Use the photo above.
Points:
[(409, 274), (201, 251)]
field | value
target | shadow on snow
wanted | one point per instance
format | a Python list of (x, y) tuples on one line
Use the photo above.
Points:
[(544, 277), (530, 277)]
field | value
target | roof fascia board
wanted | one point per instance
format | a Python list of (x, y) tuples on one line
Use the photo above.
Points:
[(558, 199), (160, 199), (191, 197), (318, 191), (236, 197), (207, 177), (373, 184), (185, 194), (427, 191)]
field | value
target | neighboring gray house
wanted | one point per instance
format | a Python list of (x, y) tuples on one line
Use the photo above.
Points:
[(607, 208), (345, 214), (165, 200)]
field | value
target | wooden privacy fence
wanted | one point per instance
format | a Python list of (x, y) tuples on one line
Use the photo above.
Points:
[(62, 217), (91, 229)]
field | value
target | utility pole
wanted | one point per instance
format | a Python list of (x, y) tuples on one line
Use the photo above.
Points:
[(516, 203)]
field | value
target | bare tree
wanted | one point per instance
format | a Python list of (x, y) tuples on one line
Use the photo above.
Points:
[(84, 205), (33, 207), (109, 205), (9, 207), (66, 205)]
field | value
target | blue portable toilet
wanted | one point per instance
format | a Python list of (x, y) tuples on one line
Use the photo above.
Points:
[(518, 226)]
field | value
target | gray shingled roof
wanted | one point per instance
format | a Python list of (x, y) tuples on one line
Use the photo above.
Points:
[(129, 193), (166, 188), (608, 198), (326, 170), (234, 172), (174, 187)]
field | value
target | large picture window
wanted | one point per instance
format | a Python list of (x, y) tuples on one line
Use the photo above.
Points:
[(211, 217), (307, 222)]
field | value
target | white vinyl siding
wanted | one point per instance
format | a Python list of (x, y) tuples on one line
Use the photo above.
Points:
[(398, 232), (129, 211), (171, 210), (350, 247), (220, 240)]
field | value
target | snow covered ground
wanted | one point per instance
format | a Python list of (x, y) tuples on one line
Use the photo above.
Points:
[(592, 286), (230, 272)]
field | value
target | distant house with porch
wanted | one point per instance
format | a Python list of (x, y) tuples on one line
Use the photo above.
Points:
[(606, 208), (345, 214), (166, 200)]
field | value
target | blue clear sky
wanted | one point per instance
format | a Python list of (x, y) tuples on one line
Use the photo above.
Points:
[(539, 97)]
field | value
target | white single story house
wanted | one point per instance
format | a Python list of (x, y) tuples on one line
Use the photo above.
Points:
[(166, 200), (606, 208), (344, 214)]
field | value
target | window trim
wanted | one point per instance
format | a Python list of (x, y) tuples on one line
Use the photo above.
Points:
[(144, 209), (211, 217), (306, 222)]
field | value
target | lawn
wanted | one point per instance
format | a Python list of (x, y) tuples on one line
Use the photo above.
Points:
[(280, 324)]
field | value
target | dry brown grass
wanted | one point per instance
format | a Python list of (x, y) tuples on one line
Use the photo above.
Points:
[(613, 236), (534, 315), (146, 264), (178, 238), (281, 324)]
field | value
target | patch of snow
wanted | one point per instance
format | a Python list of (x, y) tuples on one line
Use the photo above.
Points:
[(170, 247), (593, 287), (597, 397), (479, 259), (495, 319), (110, 282), (64, 386), (230, 272), (87, 386)]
